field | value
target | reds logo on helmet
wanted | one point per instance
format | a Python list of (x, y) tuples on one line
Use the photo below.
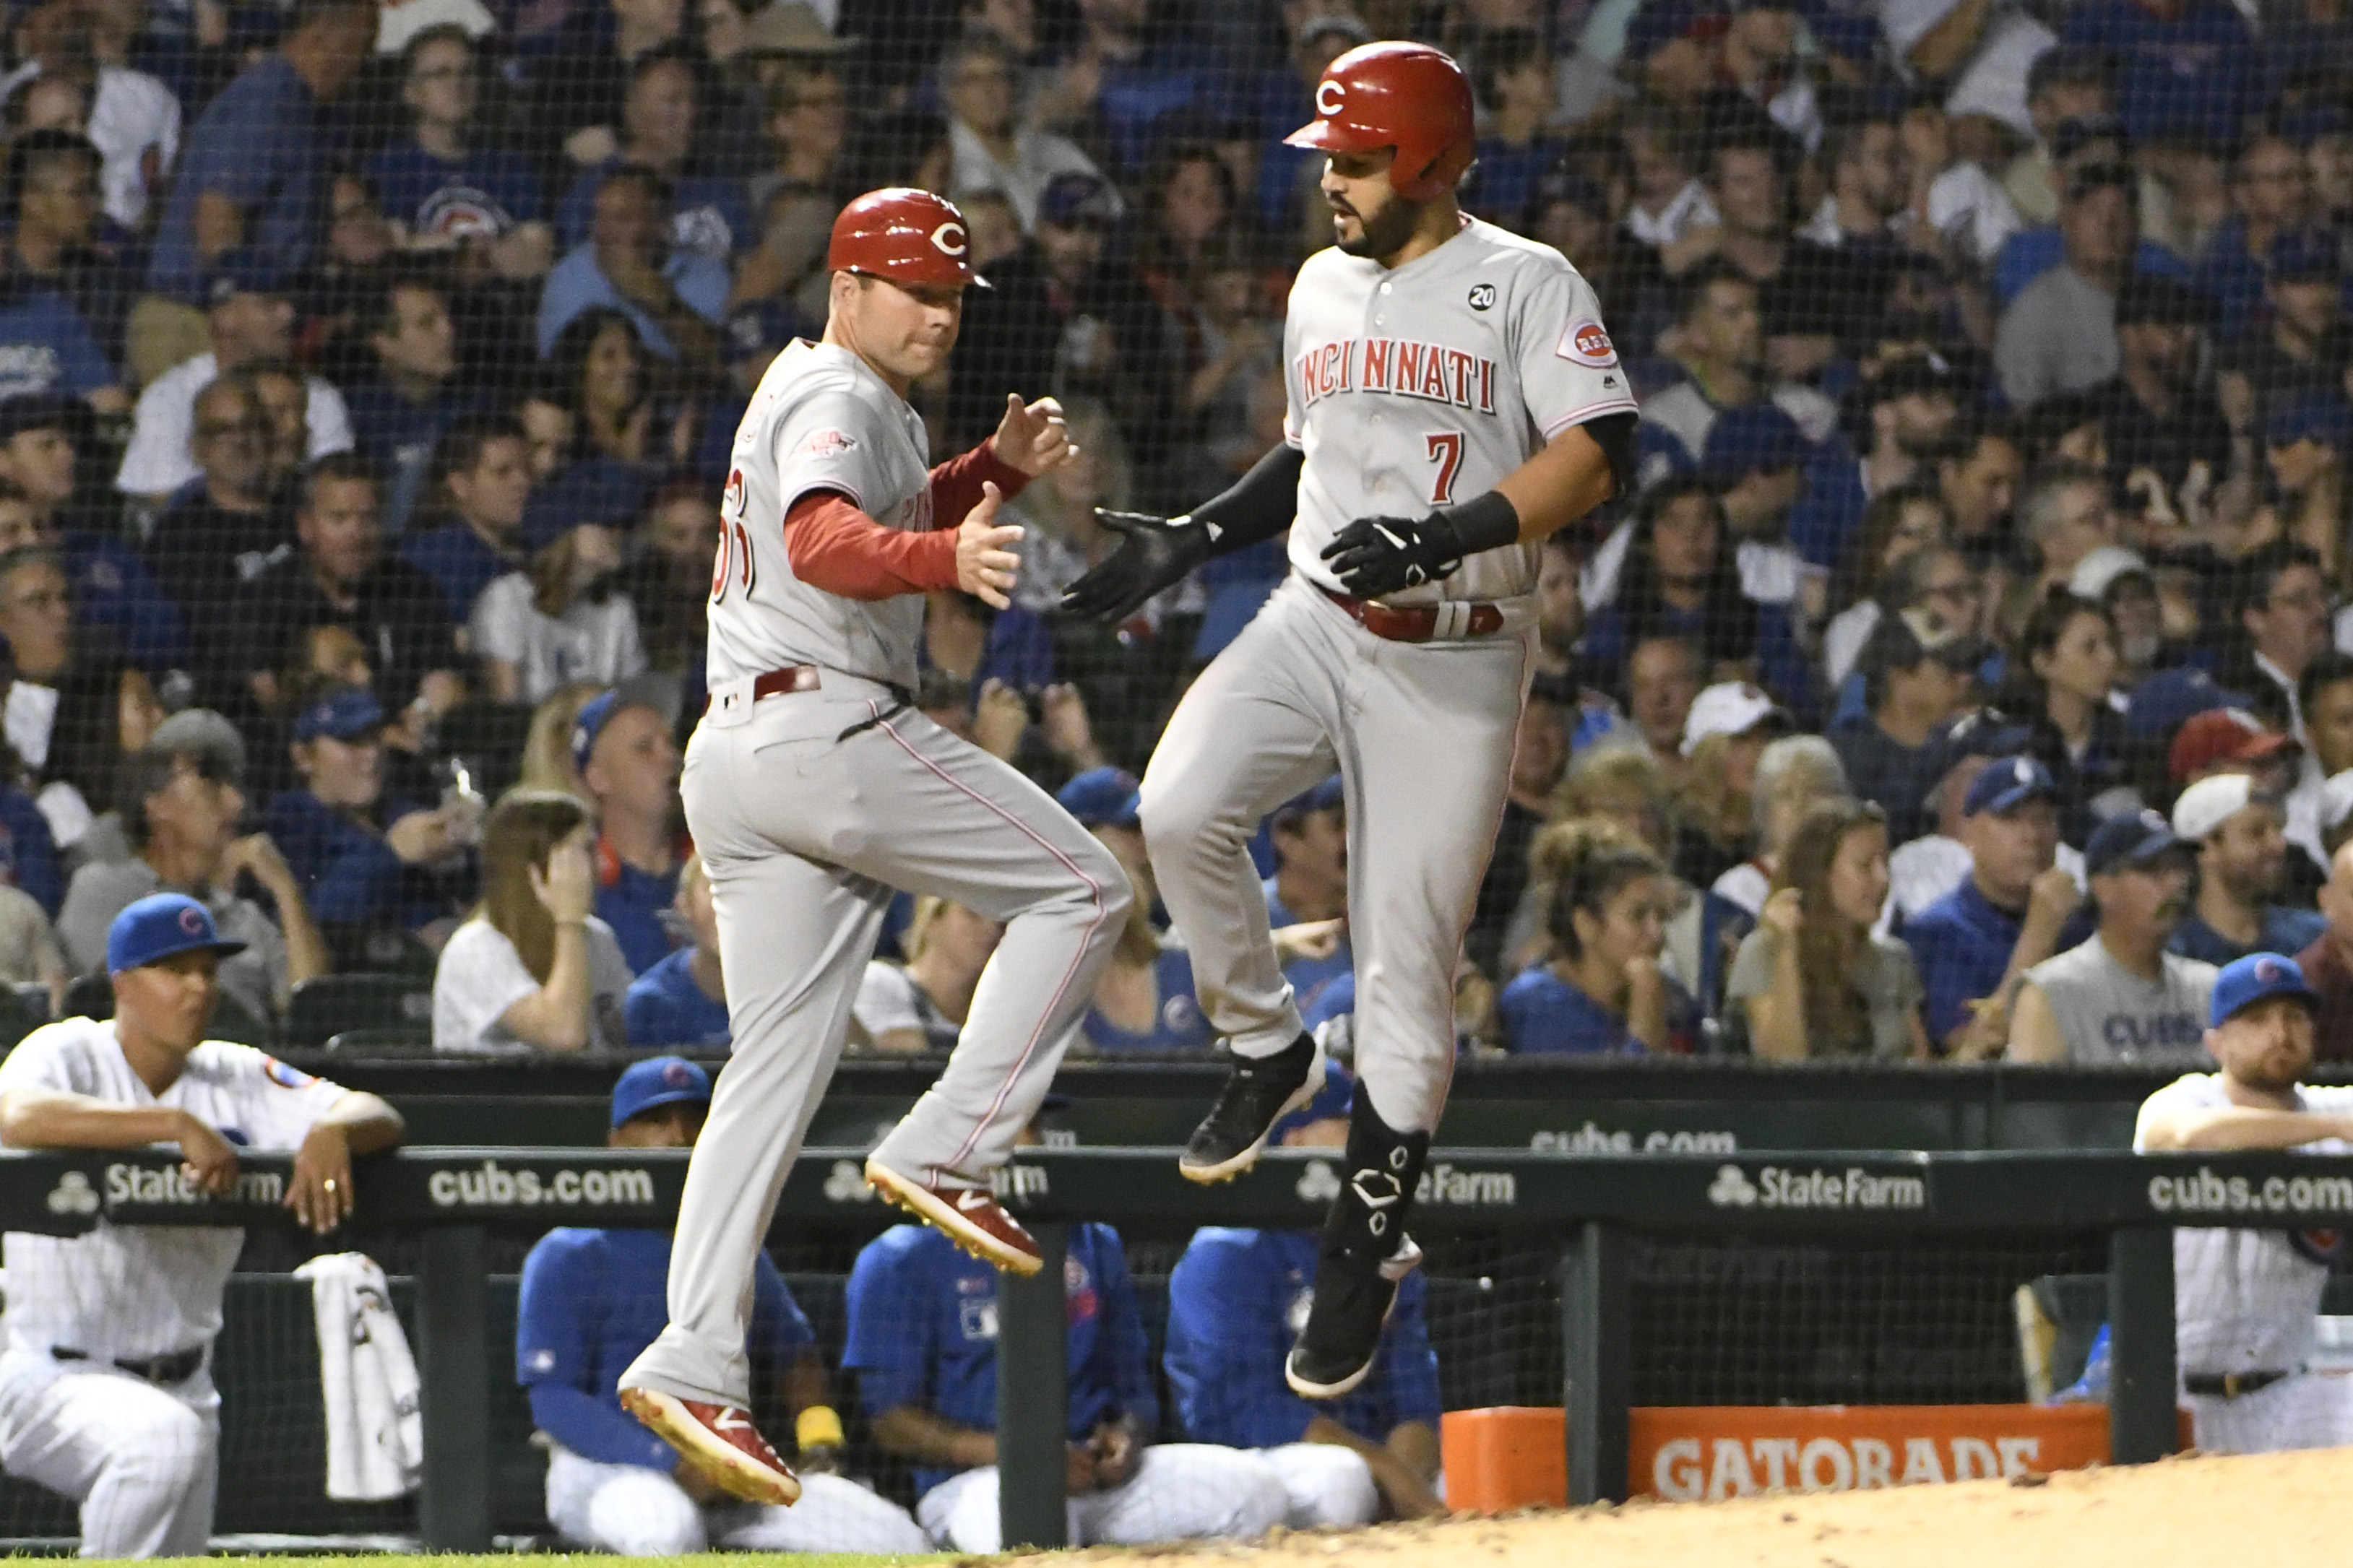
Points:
[(1330, 96), (950, 239)]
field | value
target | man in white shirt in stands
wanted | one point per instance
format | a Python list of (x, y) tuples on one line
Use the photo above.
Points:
[(251, 321), (2246, 1302), (106, 1390)]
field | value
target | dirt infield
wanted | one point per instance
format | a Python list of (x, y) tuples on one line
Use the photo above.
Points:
[(2278, 1511)]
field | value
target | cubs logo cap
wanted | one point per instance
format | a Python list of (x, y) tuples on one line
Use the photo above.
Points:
[(2134, 838), (648, 692), (161, 926), (2258, 977), (658, 1081)]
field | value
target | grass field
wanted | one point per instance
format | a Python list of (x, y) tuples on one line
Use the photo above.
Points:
[(702, 1560)]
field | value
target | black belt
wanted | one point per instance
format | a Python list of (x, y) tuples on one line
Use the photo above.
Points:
[(2232, 1385), (177, 1367)]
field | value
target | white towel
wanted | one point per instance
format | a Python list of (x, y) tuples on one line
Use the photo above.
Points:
[(375, 1436)]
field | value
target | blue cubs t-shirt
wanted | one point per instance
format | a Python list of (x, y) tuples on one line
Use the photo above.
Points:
[(1179, 1025), (1235, 1304), (922, 1332), (666, 1007), (633, 902), (592, 1301), (1545, 1015), (47, 347), (486, 193)]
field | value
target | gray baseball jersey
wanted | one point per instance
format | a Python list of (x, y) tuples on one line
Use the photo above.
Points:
[(821, 420), (1419, 388)]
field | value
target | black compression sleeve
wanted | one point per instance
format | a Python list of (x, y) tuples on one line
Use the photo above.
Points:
[(1258, 505), (1614, 434)]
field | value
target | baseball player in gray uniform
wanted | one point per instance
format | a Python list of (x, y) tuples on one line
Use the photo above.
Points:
[(813, 787), (1453, 399)]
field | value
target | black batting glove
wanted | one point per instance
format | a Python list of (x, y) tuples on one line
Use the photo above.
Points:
[(1378, 555), (1154, 553)]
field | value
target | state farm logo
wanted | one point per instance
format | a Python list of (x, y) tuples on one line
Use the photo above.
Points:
[(1319, 1183), (1733, 1189), (1442, 1183), (846, 1184), (73, 1194), (1780, 1187)]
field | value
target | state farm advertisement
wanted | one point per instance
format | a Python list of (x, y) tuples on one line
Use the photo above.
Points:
[(1709, 1453)]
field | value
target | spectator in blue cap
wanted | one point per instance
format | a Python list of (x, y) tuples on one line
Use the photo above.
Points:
[(2245, 1300), (2017, 907), (2308, 432), (592, 1300), (1755, 458), (361, 859), (2290, 347), (750, 339), (1232, 1303), (2119, 995), (622, 750), (2157, 413), (562, 617), (1307, 897), (1673, 51)]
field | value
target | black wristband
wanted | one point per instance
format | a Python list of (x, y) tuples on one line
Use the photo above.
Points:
[(1485, 522)]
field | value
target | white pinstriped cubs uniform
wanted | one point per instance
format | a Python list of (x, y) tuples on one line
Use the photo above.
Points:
[(809, 807), (2249, 1300), (1409, 389), (142, 1459)]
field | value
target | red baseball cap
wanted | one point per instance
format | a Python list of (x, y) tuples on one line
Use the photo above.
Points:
[(2221, 735)]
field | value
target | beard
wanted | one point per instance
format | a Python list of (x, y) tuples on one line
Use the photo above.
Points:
[(1384, 232)]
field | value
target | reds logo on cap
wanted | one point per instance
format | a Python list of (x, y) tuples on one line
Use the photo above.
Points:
[(950, 239), (1330, 96)]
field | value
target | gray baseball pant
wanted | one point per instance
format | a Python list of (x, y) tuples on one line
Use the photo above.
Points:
[(1421, 735), (805, 832)]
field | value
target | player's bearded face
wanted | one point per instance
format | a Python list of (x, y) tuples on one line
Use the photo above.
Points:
[(1368, 218)]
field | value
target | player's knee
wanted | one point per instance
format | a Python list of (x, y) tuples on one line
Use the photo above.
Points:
[(645, 1516), (171, 1450), (1179, 821)]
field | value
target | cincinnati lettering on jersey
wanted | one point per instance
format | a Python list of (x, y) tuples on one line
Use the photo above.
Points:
[(1400, 367)]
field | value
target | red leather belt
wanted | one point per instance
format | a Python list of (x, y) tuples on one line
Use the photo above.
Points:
[(792, 677), (1421, 623)]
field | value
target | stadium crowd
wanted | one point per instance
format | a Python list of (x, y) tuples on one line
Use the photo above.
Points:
[(1972, 672)]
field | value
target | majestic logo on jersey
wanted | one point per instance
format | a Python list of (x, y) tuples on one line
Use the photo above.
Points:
[(1482, 296), (827, 444), (1430, 371), (949, 239), (1330, 97), (1587, 343)]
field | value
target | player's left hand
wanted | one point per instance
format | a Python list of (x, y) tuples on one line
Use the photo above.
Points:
[(321, 1195), (1378, 555), (1117, 1453), (1032, 436)]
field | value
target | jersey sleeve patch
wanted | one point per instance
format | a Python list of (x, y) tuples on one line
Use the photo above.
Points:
[(284, 1077), (1587, 343), (828, 443)]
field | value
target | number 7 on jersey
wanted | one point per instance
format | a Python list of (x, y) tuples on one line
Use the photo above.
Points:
[(1446, 451)]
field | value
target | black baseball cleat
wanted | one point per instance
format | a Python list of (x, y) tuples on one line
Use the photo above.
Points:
[(1353, 1295), (1259, 1091)]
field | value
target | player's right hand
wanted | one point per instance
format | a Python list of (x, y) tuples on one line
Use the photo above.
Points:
[(208, 1159), (1154, 552), (984, 566)]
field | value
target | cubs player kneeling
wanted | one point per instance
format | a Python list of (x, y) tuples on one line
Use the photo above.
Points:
[(106, 1389), (1453, 399), (2246, 1302), (591, 1301)]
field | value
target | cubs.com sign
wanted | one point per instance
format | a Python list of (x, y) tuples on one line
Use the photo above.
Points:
[(1704, 1455)]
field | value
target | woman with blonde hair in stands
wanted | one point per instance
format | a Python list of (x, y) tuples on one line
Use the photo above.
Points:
[(1812, 980), (1792, 773), (532, 969), (547, 746), (1728, 728), (921, 1005)]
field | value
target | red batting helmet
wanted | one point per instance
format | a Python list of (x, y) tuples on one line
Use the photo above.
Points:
[(906, 235), (1407, 96)]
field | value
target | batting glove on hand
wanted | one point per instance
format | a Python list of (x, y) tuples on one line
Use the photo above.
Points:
[(1378, 555), (1153, 553)]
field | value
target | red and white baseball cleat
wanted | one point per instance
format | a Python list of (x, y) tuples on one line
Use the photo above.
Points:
[(719, 1442), (969, 1217)]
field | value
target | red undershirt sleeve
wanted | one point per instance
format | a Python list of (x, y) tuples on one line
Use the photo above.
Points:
[(955, 484), (834, 546)]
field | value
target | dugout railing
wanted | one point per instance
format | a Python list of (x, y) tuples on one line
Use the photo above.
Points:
[(1592, 1214)]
